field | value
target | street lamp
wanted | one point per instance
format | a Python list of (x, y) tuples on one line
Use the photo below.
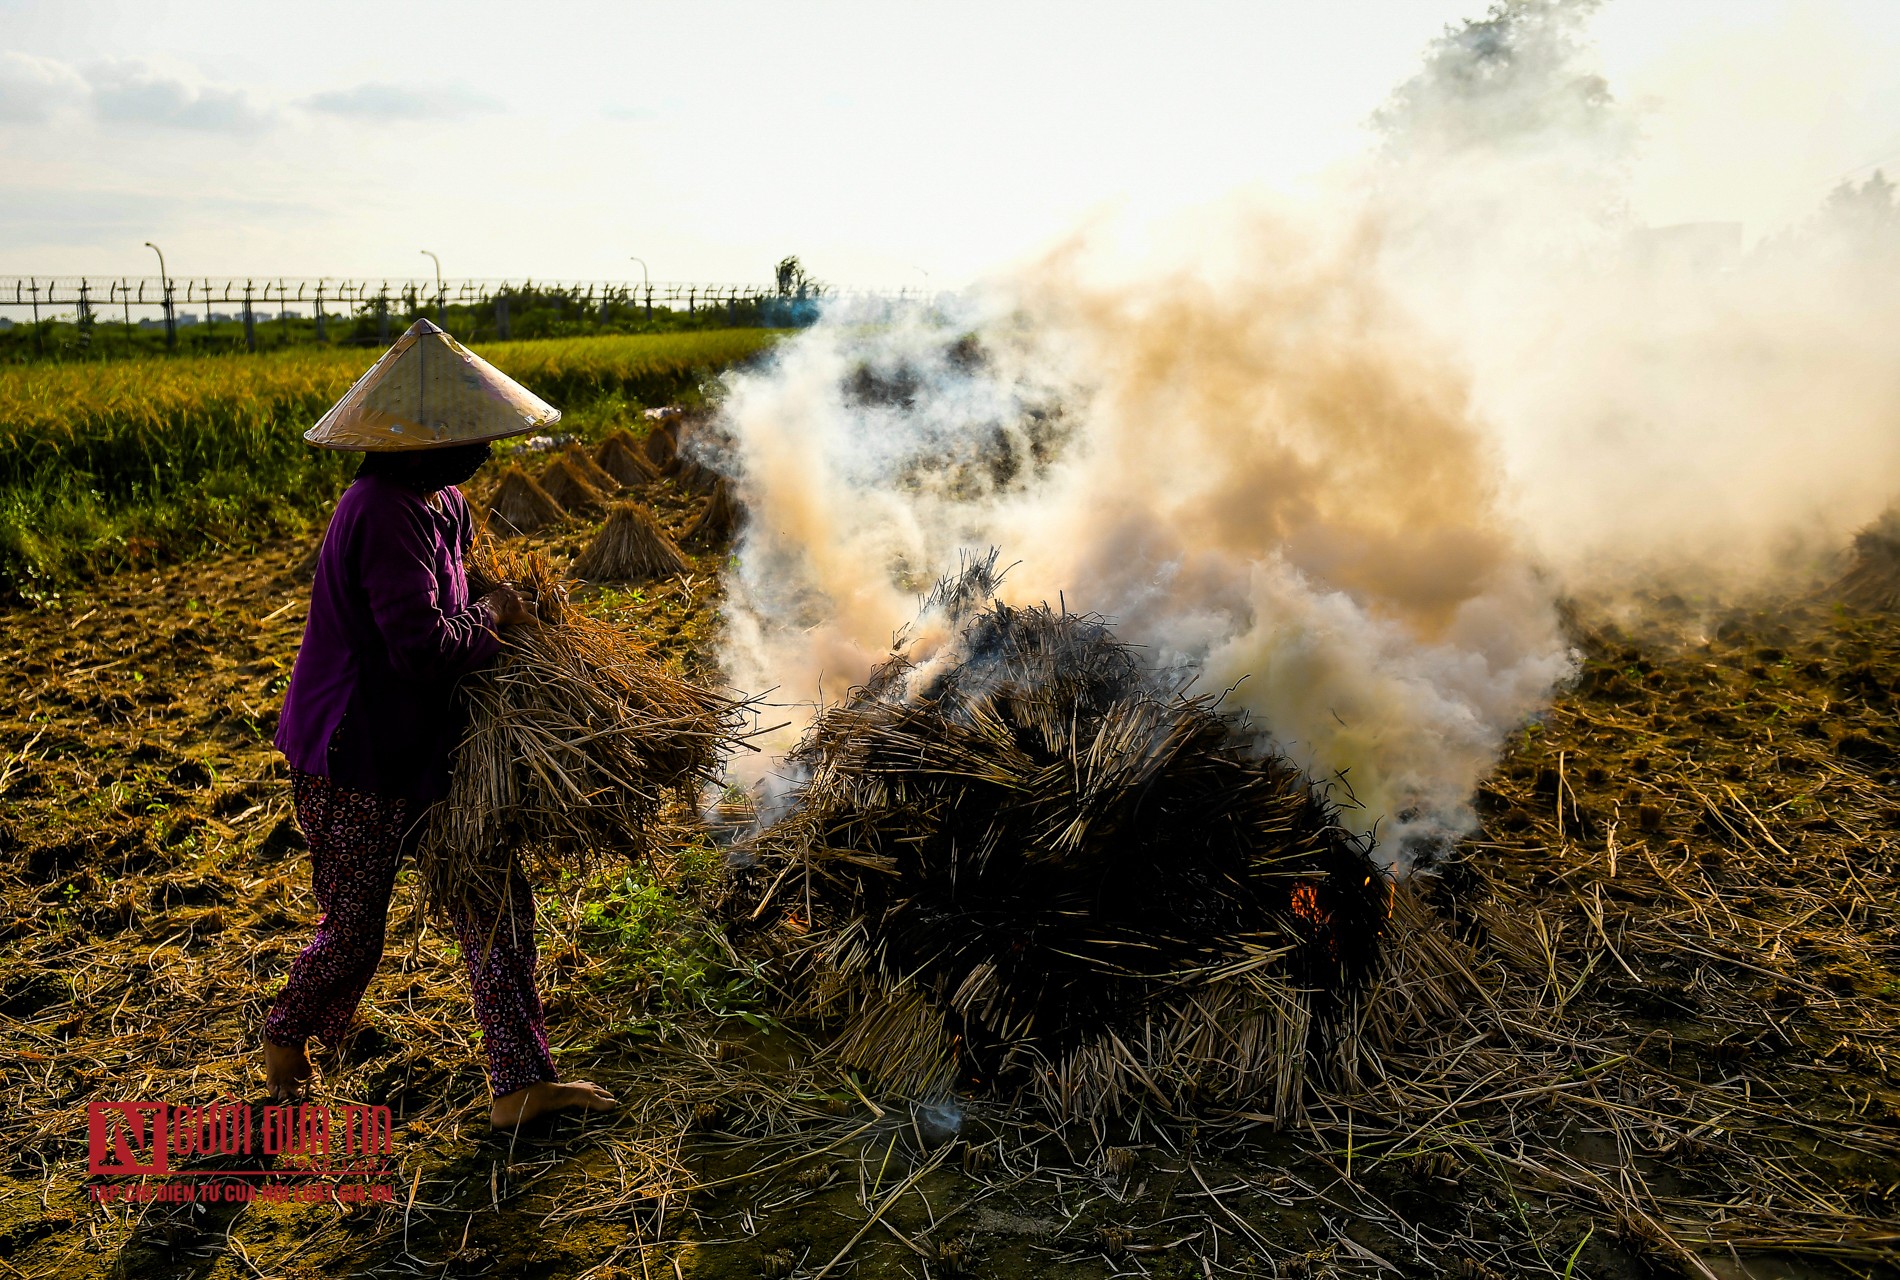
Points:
[(165, 288), (438, 286), (646, 283)]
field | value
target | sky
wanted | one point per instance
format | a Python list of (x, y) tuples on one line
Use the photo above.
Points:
[(887, 144)]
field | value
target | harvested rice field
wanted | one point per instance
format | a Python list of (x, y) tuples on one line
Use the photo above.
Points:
[(1643, 1024)]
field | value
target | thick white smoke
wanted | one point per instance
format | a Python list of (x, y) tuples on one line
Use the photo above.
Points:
[(1266, 477), (1667, 405), (1343, 460)]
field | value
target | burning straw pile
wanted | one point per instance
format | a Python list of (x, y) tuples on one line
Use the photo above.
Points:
[(576, 740), (1027, 861)]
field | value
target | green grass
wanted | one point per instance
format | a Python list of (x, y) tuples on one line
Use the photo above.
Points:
[(659, 946), (109, 465)]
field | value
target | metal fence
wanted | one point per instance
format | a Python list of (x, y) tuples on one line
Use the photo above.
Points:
[(176, 300)]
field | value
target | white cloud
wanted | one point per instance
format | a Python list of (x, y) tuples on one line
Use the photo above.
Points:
[(32, 88), (382, 101), (134, 92)]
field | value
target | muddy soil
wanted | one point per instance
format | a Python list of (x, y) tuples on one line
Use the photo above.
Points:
[(1685, 882)]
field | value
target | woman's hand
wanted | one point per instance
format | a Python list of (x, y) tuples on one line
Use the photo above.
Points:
[(508, 607)]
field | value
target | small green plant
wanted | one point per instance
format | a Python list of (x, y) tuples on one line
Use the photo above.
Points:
[(609, 598), (653, 937)]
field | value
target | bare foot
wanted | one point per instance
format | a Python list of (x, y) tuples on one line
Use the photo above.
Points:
[(512, 1110), (287, 1071)]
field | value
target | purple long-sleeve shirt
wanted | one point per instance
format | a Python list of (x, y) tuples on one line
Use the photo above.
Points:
[(391, 629)]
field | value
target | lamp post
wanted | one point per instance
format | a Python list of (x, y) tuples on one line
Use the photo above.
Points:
[(438, 286), (165, 287), (646, 284)]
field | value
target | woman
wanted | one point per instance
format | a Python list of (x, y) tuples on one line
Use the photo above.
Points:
[(368, 726)]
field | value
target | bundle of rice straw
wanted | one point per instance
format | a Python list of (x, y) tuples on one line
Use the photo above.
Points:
[(717, 521), (620, 457), (1022, 859), (576, 740), (567, 485), (1874, 580), (699, 442), (692, 476), (521, 506), (630, 547), (591, 471), (663, 445)]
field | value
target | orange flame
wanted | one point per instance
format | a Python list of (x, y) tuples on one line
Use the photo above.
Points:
[(1306, 906)]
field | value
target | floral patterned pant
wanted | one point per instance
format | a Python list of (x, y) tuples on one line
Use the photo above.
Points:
[(356, 841)]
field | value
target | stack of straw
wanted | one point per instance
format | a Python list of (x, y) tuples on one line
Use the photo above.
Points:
[(576, 740), (1874, 580), (620, 457), (521, 506), (584, 465), (663, 445), (693, 476), (1024, 859), (570, 486), (717, 520), (630, 547)]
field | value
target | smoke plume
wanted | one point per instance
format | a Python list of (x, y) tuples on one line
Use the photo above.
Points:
[(1342, 460), (1266, 478), (1668, 407)]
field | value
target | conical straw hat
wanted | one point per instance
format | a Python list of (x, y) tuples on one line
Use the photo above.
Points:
[(428, 391)]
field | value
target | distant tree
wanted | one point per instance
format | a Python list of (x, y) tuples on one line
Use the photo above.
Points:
[(794, 281), (1507, 78), (1864, 213)]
